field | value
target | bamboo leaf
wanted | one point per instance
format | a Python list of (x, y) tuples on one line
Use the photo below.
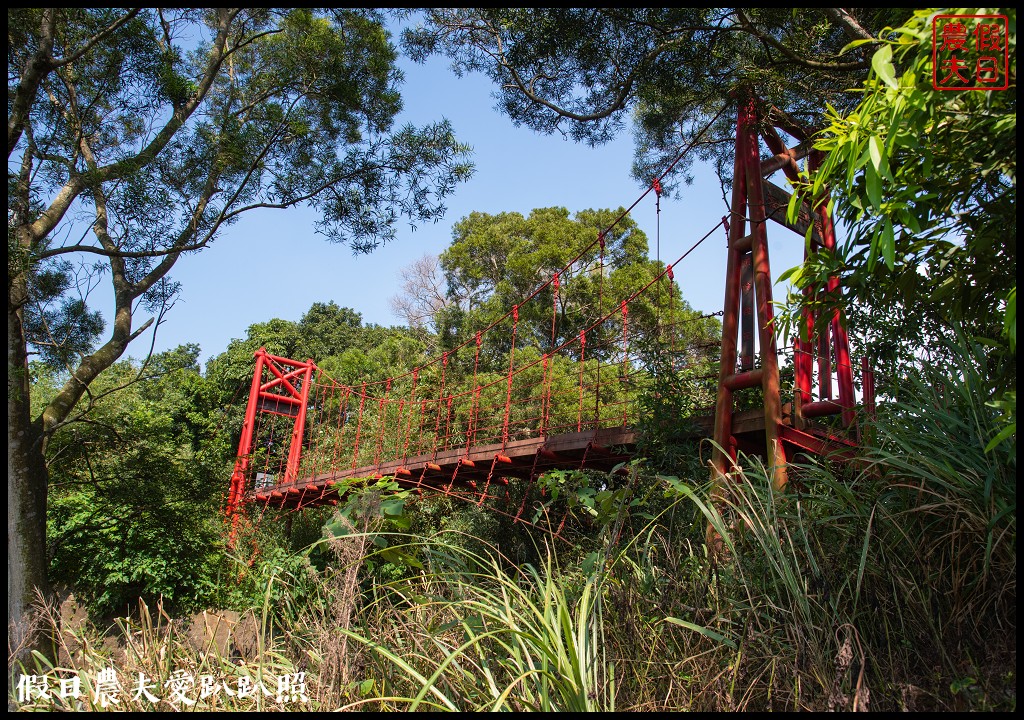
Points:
[(874, 187), (888, 244), (875, 153), (881, 63), (706, 632)]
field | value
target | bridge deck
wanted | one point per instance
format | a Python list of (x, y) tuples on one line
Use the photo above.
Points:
[(456, 470), (600, 449)]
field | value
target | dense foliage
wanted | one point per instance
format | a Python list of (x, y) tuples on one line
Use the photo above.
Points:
[(925, 180), (496, 261), (133, 507)]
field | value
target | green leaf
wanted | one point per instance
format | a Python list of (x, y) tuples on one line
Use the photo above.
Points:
[(400, 557), (402, 523), (888, 244), (590, 562), (793, 208), (873, 251), (392, 508), (910, 220), (874, 187), (339, 528), (856, 44), (958, 686), (793, 275), (881, 63), (875, 153), (706, 632), (1003, 434)]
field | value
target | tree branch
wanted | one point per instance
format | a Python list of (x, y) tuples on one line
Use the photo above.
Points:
[(795, 57), (28, 84), (849, 24), (62, 201), (617, 103), (42, 63), (135, 254), (95, 39)]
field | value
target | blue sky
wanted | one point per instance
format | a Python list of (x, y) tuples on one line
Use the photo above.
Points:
[(272, 263)]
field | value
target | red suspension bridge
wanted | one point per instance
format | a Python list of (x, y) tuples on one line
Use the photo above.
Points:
[(509, 404)]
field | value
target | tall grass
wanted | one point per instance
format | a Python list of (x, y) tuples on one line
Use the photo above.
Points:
[(889, 582), (470, 635), (148, 650), (884, 584)]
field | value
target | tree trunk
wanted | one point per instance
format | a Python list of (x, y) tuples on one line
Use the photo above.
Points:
[(26, 495)]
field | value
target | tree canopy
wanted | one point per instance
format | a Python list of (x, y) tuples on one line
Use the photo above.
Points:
[(497, 261), (590, 72), (132, 512)]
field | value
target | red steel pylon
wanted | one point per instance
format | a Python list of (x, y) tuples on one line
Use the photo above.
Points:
[(748, 304), (286, 393)]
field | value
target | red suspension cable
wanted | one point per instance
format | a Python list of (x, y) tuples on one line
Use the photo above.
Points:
[(511, 365)]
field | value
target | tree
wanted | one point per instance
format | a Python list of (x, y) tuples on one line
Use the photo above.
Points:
[(327, 329), (585, 72), (132, 511), (421, 295), (497, 261), (134, 138), (926, 182)]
